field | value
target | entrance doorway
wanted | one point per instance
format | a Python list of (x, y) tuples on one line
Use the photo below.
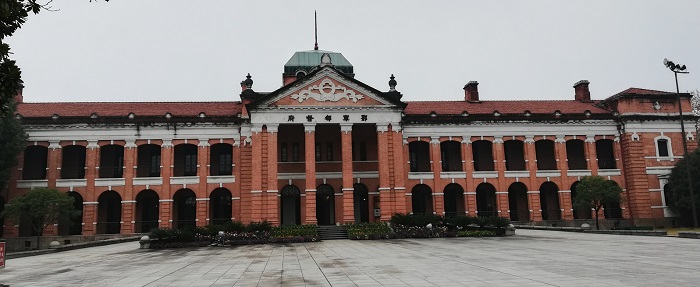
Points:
[(361, 202), (325, 205)]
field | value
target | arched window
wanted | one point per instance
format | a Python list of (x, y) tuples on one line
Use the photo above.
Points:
[(290, 204), (148, 161), (549, 201), (486, 200), (421, 199)]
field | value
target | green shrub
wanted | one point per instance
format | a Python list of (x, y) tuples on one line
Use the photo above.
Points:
[(264, 226), (417, 220), (461, 222), (499, 222), (294, 231), (369, 230)]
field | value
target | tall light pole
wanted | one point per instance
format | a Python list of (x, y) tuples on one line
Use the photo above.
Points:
[(680, 69)]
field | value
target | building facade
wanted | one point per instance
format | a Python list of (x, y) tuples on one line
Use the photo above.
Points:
[(326, 148)]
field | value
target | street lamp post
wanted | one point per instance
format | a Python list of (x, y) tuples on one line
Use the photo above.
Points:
[(676, 69)]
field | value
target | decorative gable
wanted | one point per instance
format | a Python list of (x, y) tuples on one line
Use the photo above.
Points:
[(325, 88)]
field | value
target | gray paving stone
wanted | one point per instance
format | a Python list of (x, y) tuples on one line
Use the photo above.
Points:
[(531, 258)]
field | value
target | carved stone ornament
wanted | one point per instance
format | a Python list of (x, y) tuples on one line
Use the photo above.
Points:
[(656, 106), (327, 92)]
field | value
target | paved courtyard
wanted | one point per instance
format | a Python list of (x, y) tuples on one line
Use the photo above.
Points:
[(531, 258)]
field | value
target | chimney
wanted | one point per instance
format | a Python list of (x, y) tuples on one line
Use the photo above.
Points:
[(18, 97), (582, 92), (471, 91)]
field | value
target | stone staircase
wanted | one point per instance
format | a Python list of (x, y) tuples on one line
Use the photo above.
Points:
[(331, 232)]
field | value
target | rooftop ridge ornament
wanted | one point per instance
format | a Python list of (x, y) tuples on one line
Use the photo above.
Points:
[(392, 83), (248, 82), (315, 32)]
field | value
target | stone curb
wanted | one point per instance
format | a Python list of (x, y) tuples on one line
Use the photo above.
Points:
[(630, 232), (570, 229), (73, 246), (689, 234)]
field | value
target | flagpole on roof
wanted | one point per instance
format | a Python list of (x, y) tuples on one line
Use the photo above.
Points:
[(315, 32)]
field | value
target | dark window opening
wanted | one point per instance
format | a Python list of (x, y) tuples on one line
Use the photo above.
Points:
[(220, 210), (148, 161), (422, 199), (363, 151), (486, 200), (576, 155), (221, 159), (544, 150), (482, 152), (317, 152), (35, 160), (295, 152), (185, 160), (283, 152), (454, 200), (111, 161), (73, 162), (549, 201), (663, 147), (419, 152), (329, 151), (515, 155), (451, 156), (605, 153)]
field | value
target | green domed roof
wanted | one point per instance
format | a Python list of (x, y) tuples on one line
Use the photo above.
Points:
[(306, 60)]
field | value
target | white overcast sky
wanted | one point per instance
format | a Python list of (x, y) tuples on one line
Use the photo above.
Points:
[(176, 50)]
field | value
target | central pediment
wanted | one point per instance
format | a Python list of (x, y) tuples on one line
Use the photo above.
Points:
[(327, 87)]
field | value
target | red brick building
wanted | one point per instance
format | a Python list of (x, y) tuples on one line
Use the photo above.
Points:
[(326, 148)]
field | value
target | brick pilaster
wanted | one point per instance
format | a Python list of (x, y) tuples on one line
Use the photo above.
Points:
[(273, 208), (166, 196), (310, 164), (346, 158), (436, 165), (256, 176), (54, 164), (383, 166), (501, 189), (469, 184), (399, 163), (202, 193), (533, 194), (564, 185), (92, 157)]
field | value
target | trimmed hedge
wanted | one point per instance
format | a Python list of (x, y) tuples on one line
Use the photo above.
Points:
[(235, 233), (415, 226)]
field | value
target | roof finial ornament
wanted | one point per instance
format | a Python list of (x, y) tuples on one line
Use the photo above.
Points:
[(326, 60), (315, 32), (248, 82), (392, 83)]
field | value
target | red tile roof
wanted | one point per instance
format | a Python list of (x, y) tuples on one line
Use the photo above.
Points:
[(638, 91), (503, 107), (122, 109)]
